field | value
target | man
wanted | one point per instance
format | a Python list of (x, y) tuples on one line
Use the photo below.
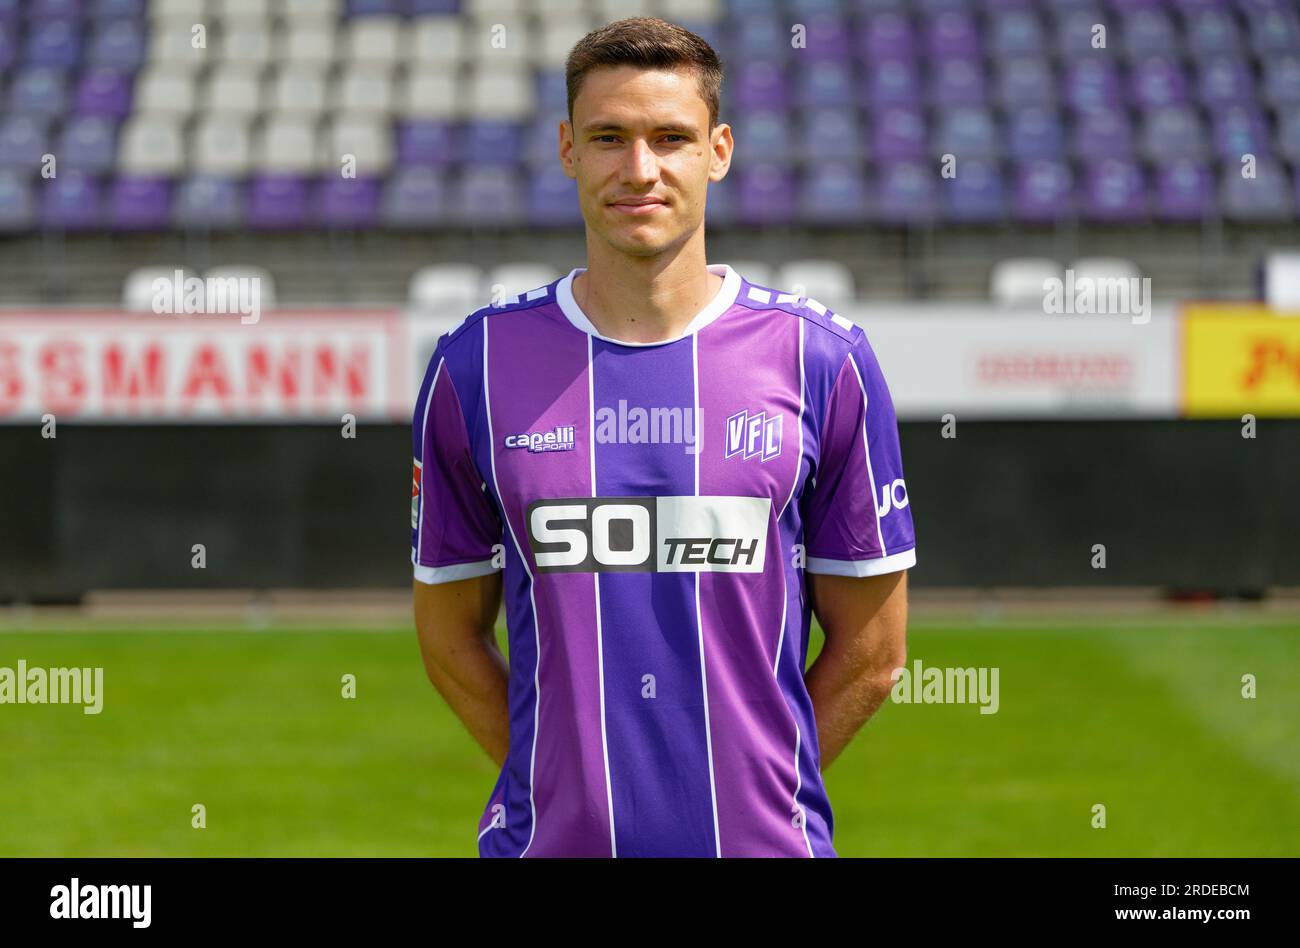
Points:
[(650, 455)]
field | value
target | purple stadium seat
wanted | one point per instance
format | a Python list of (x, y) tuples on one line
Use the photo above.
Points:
[(414, 198), (105, 92), (1092, 84), (553, 199), (139, 203), (1156, 83), (906, 192), (763, 136), (208, 202), (1149, 32), (118, 44), (346, 202), (1240, 130), (930, 8), (893, 82), (88, 144), (1274, 30), (278, 202), (1225, 80), (829, 37), (720, 205), (899, 134), (1034, 133), (761, 84), (836, 194), (1024, 81), (38, 89), (1044, 192), (884, 35), (1288, 136), (830, 135), (490, 196), (54, 43), (1015, 33), (765, 196), (425, 142), (114, 9), (1266, 197), (953, 35), (1174, 131), (24, 139), (762, 36), (1184, 191), (489, 142), (1282, 80), (977, 195), (1102, 133), (825, 83), (1074, 32), (966, 133), (8, 45), (54, 9), (374, 8), (420, 7), (1213, 31), (1114, 190), (958, 82), (72, 202), (552, 92), (17, 204)]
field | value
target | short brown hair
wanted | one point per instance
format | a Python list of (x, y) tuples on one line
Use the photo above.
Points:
[(646, 43)]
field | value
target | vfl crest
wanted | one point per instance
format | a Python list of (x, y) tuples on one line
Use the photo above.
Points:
[(753, 434)]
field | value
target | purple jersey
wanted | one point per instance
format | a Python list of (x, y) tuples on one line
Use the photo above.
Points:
[(654, 507)]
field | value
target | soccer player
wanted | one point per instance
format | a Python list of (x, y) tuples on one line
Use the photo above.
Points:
[(667, 468)]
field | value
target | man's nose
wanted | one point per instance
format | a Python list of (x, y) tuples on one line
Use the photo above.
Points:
[(642, 164)]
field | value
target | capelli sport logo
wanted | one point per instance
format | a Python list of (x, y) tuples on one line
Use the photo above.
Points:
[(649, 534)]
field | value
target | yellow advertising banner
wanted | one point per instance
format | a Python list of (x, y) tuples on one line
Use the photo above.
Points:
[(1238, 359)]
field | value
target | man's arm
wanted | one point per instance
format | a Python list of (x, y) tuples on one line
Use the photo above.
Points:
[(456, 624), (865, 620)]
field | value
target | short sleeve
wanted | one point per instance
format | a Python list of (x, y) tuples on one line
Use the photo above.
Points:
[(454, 524), (858, 519)]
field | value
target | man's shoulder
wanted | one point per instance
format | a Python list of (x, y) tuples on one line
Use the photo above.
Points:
[(828, 336), (463, 344)]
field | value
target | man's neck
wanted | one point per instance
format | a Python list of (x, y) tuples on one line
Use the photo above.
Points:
[(641, 300)]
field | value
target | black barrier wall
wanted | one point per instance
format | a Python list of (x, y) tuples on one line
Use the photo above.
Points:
[(1190, 505)]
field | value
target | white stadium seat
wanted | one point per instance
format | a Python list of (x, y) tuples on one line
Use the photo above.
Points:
[(829, 282), (495, 44), (138, 288), (243, 44), (364, 88), (298, 90), (431, 94), (519, 278), (694, 11), (368, 139), (151, 146), (500, 95), (287, 145), (1018, 281), (436, 42), (164, 90), (307, 11), (193, 10), (307, 45), (1105, 268), (221, 146), (558, 38), (265, 282), (450, 287), (498, 8), (253, 11), (373, 39), (757, 273), (171, 43), (1282, 281), (609, 10), (234, 90)]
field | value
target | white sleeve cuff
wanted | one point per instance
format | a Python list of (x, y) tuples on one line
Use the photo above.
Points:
[(874, 567), (447, 574)]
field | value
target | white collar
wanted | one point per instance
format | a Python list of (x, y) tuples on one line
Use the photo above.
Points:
[(715, 308)]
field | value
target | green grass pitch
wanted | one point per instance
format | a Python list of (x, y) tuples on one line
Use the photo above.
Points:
[(1143, 716)]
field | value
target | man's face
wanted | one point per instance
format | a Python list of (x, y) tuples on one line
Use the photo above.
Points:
[(642, 153)]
